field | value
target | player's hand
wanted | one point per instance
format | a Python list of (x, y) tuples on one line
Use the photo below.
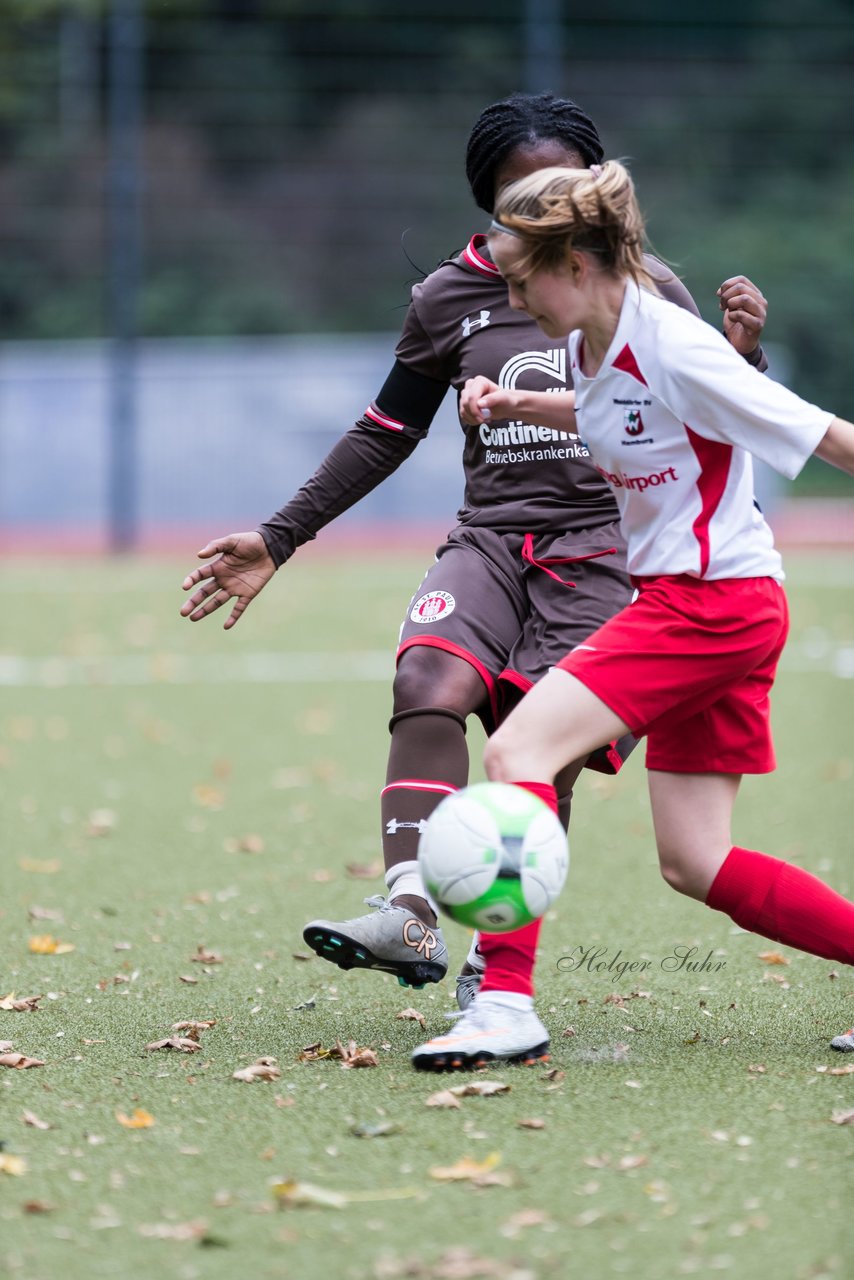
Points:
[(481, 399), (745, 310), (242, 568)]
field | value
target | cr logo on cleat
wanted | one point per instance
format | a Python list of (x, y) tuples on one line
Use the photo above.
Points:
[(420, 938)]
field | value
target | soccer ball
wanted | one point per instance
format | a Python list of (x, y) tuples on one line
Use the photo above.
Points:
[(493, 856)]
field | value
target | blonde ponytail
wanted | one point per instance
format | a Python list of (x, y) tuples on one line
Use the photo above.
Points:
[(594, 210)]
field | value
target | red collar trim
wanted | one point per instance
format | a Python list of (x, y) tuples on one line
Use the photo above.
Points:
[(475, 259)]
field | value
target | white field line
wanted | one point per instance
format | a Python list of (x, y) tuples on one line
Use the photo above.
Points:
[(815, 655), (208, 669)]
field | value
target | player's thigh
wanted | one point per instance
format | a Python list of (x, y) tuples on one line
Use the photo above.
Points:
[(558, 721)]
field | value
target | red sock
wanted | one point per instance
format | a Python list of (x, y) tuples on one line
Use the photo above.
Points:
[(544, 790), (782, 902), (510, 957)]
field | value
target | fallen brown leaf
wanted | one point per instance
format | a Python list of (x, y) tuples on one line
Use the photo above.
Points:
[(44, 944), (351, 1056), (411, 1015), (842, 1117), (364, 871), (182, 1043), (466, 1169), (263, 1069), (15, 1166), (444, 1098), (532, 1123), (29, 1118), (101, 822), (19, 1061), (203, 956), (480, 1089), (139, 1119), (827, 1071), (773, 957), (26, 1004)]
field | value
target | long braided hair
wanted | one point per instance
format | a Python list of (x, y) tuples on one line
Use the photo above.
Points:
[(522, 120)]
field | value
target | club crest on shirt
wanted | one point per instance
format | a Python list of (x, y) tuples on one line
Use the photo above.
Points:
[(433, 607), (632, 422)]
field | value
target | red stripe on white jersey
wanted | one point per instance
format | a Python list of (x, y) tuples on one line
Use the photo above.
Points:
[(382, 419), (714, 459), (476, 260), (419, 784)]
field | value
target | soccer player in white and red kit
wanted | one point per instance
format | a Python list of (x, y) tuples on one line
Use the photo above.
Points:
[(671, 417)]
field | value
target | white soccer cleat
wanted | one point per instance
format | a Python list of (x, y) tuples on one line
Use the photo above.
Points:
[(487, 1032)]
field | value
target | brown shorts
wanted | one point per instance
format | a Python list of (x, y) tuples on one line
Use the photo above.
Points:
[(512, 605)]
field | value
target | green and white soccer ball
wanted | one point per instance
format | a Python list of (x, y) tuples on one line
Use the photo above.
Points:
[(493, 856)]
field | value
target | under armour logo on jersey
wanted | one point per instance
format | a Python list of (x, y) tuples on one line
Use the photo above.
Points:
[(392, 827), (475, 322)]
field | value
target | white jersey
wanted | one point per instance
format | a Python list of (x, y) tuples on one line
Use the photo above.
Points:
[(671, 420)]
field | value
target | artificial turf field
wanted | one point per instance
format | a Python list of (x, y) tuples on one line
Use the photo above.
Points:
[(177, 802)]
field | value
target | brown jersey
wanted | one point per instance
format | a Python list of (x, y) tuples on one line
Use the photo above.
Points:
[(518, 477)]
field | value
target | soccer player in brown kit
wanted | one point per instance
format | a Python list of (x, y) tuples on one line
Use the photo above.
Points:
[(534, 565)]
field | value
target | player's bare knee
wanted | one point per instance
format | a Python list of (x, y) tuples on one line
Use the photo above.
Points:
[(499, 758)]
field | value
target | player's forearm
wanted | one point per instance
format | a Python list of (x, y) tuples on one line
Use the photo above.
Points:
[(837, 445), (360, 461)]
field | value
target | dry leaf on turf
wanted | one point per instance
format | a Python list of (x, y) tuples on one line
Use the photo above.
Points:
[(19, 1061), (533, 1123), (836, 1071), (289, 1193), (480, 1088), (203, 956), (351, 1056), (381, 1129), (139, 1119), (773, 957), (364, 871), (631, 1162), (31, 1119), (44, 944), (405, 1015), (444, 1098), (15, 1166), (525, 1218), (173, 1230), (40, 866), (842, 1117), (194, 1026), (27, 1004), (467, 1170), (182, 1043), (263, 1069)]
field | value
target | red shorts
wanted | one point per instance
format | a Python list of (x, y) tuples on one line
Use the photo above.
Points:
[(690, 665)]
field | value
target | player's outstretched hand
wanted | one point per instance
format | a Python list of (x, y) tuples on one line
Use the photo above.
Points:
[(745, 310), (481, 399), (242, 568)]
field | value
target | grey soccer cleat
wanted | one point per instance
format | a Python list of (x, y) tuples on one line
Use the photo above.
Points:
[(468, 983), (845, 1042), (487, 1032), (391, 939)]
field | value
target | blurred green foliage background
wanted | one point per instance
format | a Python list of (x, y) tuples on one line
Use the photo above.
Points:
[(297, 153)]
